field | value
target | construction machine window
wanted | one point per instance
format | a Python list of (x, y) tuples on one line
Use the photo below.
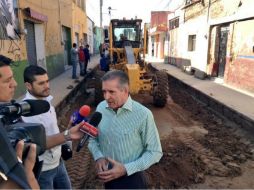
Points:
[(122, 34), (125, 34)]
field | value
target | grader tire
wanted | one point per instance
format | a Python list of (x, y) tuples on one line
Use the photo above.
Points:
[(161, 90), (98, 95)]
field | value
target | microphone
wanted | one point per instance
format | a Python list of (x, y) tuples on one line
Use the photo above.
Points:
[(80, 115), (89, 129), (25, 108)]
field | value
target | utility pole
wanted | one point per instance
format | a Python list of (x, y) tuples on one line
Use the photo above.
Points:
[(101, 4), (109, 12), (101, 29)]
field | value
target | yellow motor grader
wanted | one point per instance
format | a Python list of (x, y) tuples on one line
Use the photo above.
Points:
[(127, 53)]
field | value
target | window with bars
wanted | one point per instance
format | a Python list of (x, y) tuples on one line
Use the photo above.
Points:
[(174, 23)]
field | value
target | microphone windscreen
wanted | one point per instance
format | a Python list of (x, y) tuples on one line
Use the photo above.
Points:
[(84, 110), (95, 119), (37, 107)]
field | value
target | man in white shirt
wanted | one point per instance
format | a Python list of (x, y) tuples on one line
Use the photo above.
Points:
[(54, 174)]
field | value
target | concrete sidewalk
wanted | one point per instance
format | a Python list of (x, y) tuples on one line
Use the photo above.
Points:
[(238, 101), (63, 84)]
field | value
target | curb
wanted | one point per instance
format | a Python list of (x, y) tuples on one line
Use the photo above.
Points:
[(214, 105), (61, 105)]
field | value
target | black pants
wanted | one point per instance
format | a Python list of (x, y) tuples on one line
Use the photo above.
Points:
[(134, 181), (85, 66)]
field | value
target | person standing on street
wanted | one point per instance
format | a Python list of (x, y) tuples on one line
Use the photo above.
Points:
[(74, 60), (104, 63), (128, 142), (81, 55), (87, 57)]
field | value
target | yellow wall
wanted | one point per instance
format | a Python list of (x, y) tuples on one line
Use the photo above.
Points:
[(79, 26), (17, 49), (68, 14), (52, 26), (14, 50), (59, 13)]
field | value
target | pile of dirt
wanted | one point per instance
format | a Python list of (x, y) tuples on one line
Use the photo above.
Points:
[(179, 167), (224, 139)]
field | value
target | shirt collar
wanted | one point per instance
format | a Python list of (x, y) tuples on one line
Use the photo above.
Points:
[(30, 96), (127, 105)]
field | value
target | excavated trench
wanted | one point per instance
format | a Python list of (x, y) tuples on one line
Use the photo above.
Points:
[(201, 148)]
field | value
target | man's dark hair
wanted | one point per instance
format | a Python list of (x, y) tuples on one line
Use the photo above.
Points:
[(74, 45), (4, 61), (117, 74), (31, 71)]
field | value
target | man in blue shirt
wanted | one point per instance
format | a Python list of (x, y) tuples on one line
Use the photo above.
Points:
[(87, 57), (128, 141), (104, 63)]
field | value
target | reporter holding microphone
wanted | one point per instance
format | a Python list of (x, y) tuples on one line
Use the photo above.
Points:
[(54, 174), (128, 141)]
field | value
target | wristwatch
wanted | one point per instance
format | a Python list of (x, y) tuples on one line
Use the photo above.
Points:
[(4, 177), (67, 135)]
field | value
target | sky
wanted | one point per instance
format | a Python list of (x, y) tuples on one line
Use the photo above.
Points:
[(127, 8)]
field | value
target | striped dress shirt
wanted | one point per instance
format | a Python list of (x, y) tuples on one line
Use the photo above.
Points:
[(128, 136)]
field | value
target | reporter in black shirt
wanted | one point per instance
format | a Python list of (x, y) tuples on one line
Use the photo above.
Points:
[(21, 175)]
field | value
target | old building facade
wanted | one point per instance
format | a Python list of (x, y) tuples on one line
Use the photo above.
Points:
[(158, 34), (46, 31), (215, 37)]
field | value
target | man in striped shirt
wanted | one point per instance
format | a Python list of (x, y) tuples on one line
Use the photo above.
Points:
[(128, 141)]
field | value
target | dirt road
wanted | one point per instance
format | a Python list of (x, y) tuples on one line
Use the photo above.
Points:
[(200, 149)]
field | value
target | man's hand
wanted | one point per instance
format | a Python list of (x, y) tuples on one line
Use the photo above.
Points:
[(101, 165), (58, 139), (28, 166), (75, 133), (29, 163), (118, 170)]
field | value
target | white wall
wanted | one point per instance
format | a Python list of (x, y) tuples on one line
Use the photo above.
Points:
[(90, 35), (40, 45), (198, 57)]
